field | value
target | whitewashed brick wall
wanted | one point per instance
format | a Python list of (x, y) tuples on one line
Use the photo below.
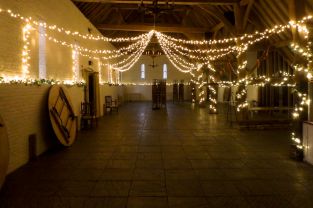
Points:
[(133, 75), (24, 108), (25, 112)]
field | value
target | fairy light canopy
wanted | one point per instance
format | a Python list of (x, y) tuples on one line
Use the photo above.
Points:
[(187, 55), (208, 21), (231, 36)]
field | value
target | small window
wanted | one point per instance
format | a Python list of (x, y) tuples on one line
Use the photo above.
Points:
[(164, 71), (142, 71)]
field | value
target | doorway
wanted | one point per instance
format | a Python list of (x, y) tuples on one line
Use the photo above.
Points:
[(91, 88), (92, 92)]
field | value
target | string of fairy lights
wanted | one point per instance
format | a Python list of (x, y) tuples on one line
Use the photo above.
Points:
[(187, 56), (303, 100), (168, 43), (26, 50)]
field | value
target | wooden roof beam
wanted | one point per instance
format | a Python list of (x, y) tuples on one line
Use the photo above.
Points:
[(217, 27), (242, 11), (247, 13), (177, 2), (218, 15), (238, 11), (280, 44), (296, 11), (160, 28)]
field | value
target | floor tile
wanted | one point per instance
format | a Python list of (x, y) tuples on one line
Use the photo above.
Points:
[(111, 188), (148, 188), (184, 188), (106, 202), (149, 174), (145, 202), (187, 202)]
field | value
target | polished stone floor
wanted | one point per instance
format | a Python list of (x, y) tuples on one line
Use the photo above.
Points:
[(179, 157)]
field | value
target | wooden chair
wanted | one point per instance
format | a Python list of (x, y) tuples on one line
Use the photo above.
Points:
[(88, 115), (110, 104)]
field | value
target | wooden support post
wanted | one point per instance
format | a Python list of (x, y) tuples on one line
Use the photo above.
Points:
[(310, 96), (212, 97)]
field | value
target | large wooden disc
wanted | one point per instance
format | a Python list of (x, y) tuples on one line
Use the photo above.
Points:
[(62, 116), (4, 151)]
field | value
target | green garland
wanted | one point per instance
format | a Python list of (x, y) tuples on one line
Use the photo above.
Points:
[(39, 82)]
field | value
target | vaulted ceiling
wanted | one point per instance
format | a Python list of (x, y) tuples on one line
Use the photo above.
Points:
[(193, 19), (220, 17)]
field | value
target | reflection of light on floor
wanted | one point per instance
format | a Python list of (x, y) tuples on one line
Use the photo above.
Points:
[(193, 105), (212, 118)]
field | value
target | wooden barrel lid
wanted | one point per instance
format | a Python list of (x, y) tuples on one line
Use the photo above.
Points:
[(4, 151), (62, 116)]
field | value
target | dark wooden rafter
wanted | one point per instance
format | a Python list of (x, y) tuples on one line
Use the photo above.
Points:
[(238, 12), (242, 12), (263, 23), (177, 18), (247, 14), (278, 8), (206, 19), (96, 12), (270, 8), (147, 27), (177, 2), (128, 15), (88, 9), (194, 36), (121, 17), (217, 27), (185, 16), (278, 41), (91, 11), (274, 18), (309, 6), (296, 11), (218, 15), (105, 15), (198, 20)]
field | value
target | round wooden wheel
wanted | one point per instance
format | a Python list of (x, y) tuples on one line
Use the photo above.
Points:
[(62, 116)]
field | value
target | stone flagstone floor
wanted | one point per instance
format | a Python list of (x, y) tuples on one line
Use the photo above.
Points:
[(175, 157)]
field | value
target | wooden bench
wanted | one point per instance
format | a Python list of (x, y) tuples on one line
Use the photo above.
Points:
[(269, 109), (264, 124)]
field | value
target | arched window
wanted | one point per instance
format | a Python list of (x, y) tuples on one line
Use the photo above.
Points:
[(142, 71), (164, 71)]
